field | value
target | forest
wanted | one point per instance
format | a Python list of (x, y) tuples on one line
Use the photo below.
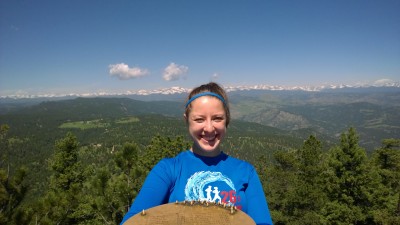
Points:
[(86, 165)]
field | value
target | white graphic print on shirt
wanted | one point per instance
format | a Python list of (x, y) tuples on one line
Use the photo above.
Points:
[(211, 186)]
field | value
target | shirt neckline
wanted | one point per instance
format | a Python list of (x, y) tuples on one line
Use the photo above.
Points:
[(210, 160)]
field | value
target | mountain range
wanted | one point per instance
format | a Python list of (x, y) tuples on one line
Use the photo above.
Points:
[(180, 90), (373, 111)]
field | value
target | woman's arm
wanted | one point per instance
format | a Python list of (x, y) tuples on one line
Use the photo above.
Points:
[(257, 203), (154, 191)]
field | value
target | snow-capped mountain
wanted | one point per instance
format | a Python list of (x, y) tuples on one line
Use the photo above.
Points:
[(181, 90)]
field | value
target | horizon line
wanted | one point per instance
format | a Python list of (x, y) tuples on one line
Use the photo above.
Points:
[(180, 90)]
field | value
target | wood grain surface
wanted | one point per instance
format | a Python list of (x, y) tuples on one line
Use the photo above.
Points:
[(191, 213)]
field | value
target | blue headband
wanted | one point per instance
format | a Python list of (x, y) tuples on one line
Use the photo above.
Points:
[(194, 97)]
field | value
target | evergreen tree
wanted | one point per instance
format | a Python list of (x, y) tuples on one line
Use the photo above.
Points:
[(101, 202), (280, 186), (349, 183), (60, 205), (4, 128), (309, 198), (386, 160), (12, 192), (131, 178), (13, 189), (65, 164), (294, 186)]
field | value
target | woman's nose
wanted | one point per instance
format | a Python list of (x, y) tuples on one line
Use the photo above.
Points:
[(209, 127)]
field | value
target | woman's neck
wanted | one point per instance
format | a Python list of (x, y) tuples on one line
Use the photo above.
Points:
[(199, 151)]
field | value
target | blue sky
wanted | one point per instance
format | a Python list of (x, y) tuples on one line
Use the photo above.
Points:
[(86, 46)]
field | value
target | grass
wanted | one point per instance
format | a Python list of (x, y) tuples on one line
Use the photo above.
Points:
[(130, 119), (83, 125), (91, 124)]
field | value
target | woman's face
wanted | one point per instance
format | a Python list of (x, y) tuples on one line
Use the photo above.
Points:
[(207, 125)]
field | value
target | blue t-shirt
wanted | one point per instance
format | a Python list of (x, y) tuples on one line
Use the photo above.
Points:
[(189, 176)]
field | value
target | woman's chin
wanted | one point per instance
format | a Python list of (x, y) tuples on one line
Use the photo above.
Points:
[(209, 145), (207, 148)]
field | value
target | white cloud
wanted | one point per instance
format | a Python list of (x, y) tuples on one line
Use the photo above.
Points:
[(123, 72), (173, 71)]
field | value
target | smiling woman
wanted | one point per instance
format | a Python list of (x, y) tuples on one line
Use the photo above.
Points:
[(204, 173), (207, 125)]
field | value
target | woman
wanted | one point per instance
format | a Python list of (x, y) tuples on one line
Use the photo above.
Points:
[(205, 172)]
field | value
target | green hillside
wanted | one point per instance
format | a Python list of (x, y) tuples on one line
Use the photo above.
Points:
[(83, 161), (372, 111), (374, 114), (111, 122)]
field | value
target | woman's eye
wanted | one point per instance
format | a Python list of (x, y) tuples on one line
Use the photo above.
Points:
[(218, 119), (199, 120)]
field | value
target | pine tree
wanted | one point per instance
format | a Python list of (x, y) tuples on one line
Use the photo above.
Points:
[(349, 183), (294, 185), (13, 189), (12, 192), (280, 186), (386, 160), (100, 202), (4, 146), (61, 203), (131, 178), (65, 164), (309, 198)]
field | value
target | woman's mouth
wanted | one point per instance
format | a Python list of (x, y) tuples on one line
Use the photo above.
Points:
[(209, 139)]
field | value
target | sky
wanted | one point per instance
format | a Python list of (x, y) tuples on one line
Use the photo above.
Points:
[(87, 46)]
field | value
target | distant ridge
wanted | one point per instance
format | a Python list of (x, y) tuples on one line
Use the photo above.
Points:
[(181, 90), (373, 110)]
